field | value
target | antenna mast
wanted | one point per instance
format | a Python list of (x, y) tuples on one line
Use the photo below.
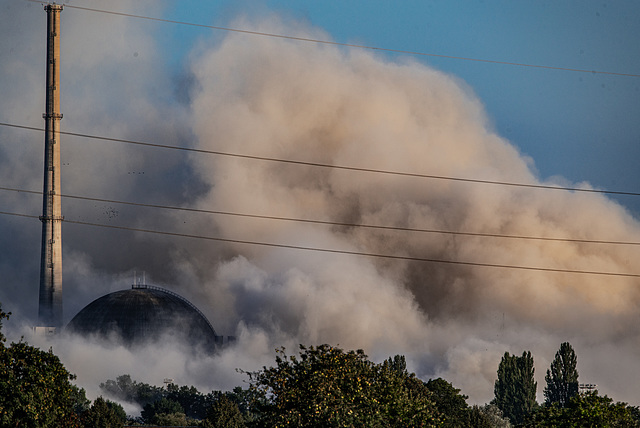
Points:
[(50, 309)]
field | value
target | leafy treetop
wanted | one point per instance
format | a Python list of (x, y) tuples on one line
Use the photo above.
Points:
[(328, 387), (562, 377)]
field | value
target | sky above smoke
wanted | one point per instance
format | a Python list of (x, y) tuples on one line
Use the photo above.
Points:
[(276, 98)]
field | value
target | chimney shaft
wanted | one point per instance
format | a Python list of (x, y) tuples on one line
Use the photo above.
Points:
[(50, 308)]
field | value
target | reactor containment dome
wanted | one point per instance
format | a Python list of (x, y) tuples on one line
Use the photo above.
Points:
[(145, 314)]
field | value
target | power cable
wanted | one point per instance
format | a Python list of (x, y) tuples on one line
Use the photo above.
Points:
[(330, 223), (350, 45), (341, 167), (346, 252)]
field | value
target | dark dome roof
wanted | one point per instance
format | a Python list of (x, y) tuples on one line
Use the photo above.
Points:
[(143, 314)]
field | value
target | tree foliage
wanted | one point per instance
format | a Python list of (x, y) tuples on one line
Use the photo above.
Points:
[(184, 403), (177, 419), (562, 377), (250, 403), (35, 388), (164, 406), (3, 315), (193, 402), (128, 390), (450, 403), (328, 387), (515, 388), (104, 414), (487, 416), (224, 413), (587, 410), (80, 402)]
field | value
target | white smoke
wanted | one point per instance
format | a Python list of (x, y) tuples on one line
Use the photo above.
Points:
[(285, 99), (323, 104)]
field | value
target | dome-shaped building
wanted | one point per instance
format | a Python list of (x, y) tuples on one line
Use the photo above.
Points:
[(144, 314)]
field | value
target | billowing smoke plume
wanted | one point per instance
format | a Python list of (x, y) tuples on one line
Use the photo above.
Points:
[(285, 99)]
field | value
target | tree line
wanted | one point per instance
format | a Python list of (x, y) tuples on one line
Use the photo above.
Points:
[(319, 386), (564, 406)]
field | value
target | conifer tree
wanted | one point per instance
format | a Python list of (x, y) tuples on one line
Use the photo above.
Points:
[(515, 388), (562, 377)]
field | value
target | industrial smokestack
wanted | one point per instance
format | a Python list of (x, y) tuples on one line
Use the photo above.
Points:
[(50, 309)]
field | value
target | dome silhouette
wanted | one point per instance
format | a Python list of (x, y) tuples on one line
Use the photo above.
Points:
[(144, 314)]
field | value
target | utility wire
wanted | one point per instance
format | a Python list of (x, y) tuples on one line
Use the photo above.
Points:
[(330, 223), (347, 252), (327, 42), (340, 167)]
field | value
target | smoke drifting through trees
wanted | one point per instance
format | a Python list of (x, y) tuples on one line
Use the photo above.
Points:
[(286, 99)]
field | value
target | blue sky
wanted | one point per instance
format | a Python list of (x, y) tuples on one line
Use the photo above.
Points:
[(581, 126)]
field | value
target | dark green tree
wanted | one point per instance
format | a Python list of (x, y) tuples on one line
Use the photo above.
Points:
[(118, 410), (562, 377), (177, 419), (398, 363), (35, 388), (193, 402), (128, 390), (327, 387), (515, 388), (122, 388), (587, 410), (3, 315), (80, 402), (487, 416), (104, 414), (450, 403), (250, 402), (162, 406), (224, 413)]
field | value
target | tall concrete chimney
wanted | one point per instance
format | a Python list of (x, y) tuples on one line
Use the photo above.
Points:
[(50, 309)]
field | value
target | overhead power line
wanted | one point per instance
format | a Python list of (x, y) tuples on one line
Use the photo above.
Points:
[(345, 252), (340, 167), (332, 223), (350, 45)]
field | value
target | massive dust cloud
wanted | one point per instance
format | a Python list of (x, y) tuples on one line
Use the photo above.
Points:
[(285, 99)]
